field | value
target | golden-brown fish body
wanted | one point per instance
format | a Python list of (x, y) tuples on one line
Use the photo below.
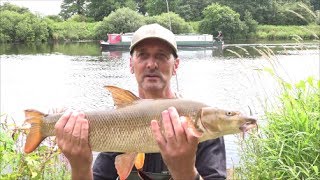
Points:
[(127, 129)]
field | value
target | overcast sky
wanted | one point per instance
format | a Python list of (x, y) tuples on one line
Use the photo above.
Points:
[(44, 7)]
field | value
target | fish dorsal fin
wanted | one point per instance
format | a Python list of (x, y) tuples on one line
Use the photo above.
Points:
[(121, 97), (124, 164)]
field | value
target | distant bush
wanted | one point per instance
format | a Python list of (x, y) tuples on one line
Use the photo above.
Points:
[(122, 20), (55, 18), (80, 18), (195, 26), (250, 25), (11, 7), (73, 31), (222, 18), (178, 25), (25, 27)]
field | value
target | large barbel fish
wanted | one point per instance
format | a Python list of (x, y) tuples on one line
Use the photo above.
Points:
[(127, 128)]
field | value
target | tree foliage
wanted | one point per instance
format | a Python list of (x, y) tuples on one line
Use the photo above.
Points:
[(98, 9), (14, 8), (122, 20), (171, 21), (191, 10), (221, 18), (157, 7), (24, 27), (71, 7), (263, 11)]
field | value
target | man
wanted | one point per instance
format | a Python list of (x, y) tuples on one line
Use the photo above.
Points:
[(154, 60)]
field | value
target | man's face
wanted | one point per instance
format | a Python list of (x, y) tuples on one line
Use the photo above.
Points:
[(153, 64)]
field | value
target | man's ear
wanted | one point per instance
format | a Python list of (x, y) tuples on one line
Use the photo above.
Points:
[(175, 66), (131, 65)]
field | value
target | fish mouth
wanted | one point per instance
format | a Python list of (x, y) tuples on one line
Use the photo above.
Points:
[(249, 124)]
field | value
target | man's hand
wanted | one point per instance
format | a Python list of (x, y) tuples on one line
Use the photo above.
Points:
[(177, 145), (72, 138)]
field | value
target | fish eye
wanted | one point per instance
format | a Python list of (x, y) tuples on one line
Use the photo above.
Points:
[(229, 113)]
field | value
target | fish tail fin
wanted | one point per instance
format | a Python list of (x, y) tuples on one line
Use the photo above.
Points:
[(35, 136)]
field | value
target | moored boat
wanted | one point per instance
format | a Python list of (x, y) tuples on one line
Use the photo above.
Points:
[(122, 41)]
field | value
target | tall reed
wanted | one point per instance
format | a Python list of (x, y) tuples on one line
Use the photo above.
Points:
[(288, 146)]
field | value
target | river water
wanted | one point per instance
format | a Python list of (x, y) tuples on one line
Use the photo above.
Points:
[(73, 75)]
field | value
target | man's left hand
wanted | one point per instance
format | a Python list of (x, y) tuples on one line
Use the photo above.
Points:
[(177, 144)]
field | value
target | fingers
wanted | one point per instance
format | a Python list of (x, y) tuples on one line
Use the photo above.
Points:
[(61, 123), (68, 128), (174, 133), (84, 131), (168, 127), (72, 130), (176, 124), (76, 133)]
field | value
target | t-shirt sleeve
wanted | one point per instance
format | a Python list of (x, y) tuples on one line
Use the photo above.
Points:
[(104, 168), (211, 159)]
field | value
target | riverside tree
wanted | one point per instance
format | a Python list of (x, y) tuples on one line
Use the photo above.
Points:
[(221, 18), (122, 20), (171, 21)]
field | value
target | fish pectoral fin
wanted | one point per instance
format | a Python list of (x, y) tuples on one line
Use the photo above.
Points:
[(124, 164), (121, 97), (192, 128), (139, 162)]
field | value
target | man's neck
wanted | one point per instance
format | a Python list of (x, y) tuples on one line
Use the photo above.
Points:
[(167, 94)]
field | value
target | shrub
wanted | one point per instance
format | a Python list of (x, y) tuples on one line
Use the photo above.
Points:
[(24, 27), (178, 25), (221, 18), (251, 24), (71, 30), (43, 163), (122, 20), (80, 18)]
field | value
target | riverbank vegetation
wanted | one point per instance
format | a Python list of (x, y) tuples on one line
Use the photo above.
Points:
[(44, 163), (287, 146), (93, 19)]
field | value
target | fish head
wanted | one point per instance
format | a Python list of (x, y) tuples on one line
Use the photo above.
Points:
[(223, 122)]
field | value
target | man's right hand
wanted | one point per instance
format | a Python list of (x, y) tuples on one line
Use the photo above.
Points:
[(72, 132)]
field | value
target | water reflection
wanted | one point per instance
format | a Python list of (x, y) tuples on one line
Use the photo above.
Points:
[(112, 54), (80, 48), (93, 49)]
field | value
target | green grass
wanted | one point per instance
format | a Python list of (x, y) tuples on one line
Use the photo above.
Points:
[(288, 146), (271, 32)]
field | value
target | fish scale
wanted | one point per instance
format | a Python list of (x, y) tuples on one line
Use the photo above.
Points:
[(125, 131)]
